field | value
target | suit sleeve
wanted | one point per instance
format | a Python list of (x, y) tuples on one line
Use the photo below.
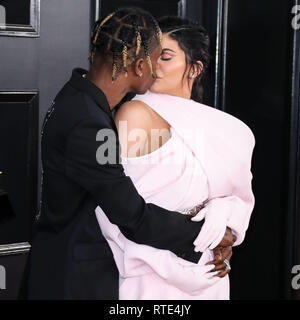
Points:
[(115, 193)]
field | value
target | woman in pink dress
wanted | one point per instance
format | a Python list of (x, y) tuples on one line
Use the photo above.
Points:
[(179, 153)]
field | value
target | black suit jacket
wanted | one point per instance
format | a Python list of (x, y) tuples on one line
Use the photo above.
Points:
[(70, 258)]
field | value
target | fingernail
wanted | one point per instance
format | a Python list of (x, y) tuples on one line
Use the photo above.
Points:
[(213, 274)]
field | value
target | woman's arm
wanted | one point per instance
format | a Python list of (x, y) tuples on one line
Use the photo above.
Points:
[(232, 211), (220, 213)]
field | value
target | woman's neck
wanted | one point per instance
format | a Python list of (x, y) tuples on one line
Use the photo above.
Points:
[(185, 93)]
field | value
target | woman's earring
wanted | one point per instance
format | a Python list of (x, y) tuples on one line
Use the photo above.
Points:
[(140, 75), (192, 76)]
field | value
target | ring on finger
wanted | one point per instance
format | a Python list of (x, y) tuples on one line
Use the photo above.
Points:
[(228, 267)]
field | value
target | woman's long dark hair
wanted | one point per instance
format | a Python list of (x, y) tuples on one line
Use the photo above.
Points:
[(194, 41)]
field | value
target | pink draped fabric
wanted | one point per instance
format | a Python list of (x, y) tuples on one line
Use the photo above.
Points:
[(207, 157)]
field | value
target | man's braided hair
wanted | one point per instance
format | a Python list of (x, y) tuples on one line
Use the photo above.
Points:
[(125, 34)]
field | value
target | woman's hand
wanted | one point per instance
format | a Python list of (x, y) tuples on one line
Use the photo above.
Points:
[(216, 214)]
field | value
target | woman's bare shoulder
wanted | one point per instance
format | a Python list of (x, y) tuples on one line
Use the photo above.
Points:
[(137, 114), (134, 122)]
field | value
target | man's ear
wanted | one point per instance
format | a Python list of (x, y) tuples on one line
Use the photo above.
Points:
[(197, 68), (139, 66)]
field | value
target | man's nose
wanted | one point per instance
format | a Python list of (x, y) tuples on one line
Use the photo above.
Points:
[(157, 66)]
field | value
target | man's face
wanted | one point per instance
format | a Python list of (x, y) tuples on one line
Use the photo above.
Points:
[(147, 79)]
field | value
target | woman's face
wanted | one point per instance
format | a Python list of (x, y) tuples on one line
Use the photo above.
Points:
[(170, 68)]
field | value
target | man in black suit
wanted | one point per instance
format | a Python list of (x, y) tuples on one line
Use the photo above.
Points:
[(70, 258)]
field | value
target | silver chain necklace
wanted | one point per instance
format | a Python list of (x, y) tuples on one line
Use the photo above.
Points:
[(48, 114)]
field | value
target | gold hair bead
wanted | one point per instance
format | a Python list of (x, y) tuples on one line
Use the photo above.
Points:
[(150, 65), (114, 72), (91, 55), (138, 43), (100, 25), (124, 52), (159, 37)]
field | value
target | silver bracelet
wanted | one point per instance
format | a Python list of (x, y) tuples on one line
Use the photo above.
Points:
[(194, 210)]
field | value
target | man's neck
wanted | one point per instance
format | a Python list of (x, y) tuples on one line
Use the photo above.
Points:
[(114, 91)]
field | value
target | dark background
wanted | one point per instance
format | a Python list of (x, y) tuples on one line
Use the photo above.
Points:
[(254, 75)]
